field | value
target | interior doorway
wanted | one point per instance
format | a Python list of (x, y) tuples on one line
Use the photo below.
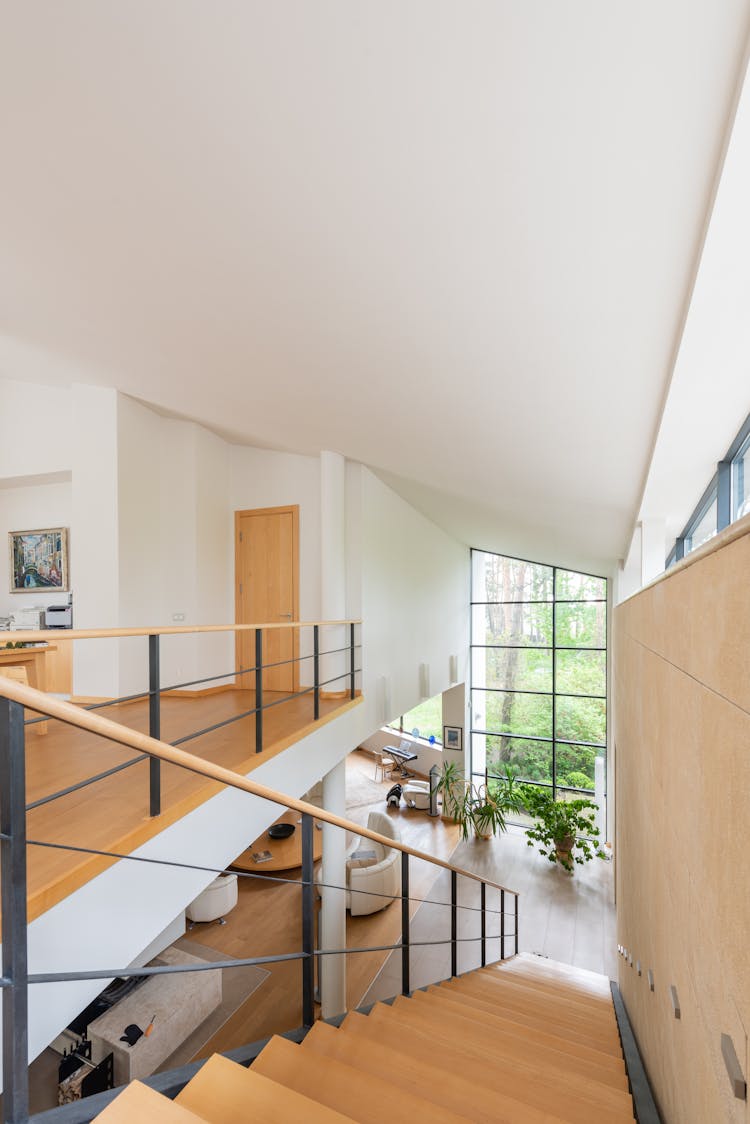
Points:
[(266, 553)]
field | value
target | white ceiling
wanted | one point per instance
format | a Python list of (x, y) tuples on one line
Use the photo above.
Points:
[(453, 240)]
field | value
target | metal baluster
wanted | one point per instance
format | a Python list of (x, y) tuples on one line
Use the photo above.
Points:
[(259, 690), (502, 924), (154, 724), (316, 673), (13, 902), (483, 893), (454, 923), (516, 922), (405, 986), (351, 661), (308, 931)]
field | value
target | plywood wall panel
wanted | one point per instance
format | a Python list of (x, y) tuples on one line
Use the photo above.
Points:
[(682, 738)]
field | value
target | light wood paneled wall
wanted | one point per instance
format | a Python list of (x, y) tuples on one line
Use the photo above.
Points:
[(682, 735)]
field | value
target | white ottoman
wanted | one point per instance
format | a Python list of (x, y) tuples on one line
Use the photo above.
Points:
[(417, 795), (218, 899)]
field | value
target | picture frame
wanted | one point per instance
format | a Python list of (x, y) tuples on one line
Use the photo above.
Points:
[(38, 560), (453, 737)]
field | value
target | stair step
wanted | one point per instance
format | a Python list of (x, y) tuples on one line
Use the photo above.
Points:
[(520, 1013), (139, 1102), (597, 991), (547, 1008), (555, 990), (553, 1054), (421, 1070), (584, 976), (363, 1096), (223, 1092), (527, 1077), (493, 1015), (481, 1069)]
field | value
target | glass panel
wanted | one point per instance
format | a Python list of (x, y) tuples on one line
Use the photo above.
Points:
[(426, 719), (741, 483), (581, 720), (570, 586), (506, 712), (532, 760), (704, 529), (581, 673), (510, 579), (513, 669), (575, 765), (581, 625), (512, 624)]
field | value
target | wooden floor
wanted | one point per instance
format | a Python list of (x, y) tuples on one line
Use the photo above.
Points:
[(112, 815)]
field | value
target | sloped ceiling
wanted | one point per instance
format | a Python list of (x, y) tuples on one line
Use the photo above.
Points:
[(455, 241)]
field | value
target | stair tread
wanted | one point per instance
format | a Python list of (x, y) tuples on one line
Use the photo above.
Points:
[(594, 1007), (425, 1074), (547, 1007), (533, 960), (541, 1046), (480, 1071), (366, 1097), (140, 1102), (495, 1016), (532, 1018), (598, 990), (223, 1092), (552, 1079)]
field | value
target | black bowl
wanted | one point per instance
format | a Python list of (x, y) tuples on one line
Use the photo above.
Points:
[(281, 830)]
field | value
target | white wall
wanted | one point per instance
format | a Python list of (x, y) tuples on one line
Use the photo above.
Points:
[(35, 428), (28, 507)]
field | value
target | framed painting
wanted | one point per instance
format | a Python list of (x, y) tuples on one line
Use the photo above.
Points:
[(452, 737), (39, 560)]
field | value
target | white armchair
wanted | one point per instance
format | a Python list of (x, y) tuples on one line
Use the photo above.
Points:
[(381, 877)]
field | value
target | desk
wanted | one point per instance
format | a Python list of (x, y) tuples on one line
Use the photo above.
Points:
[(401, 757), (34, 660)]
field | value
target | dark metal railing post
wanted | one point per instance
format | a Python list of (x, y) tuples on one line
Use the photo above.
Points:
[(259, 690), (308, 930), (316, 672), (502, 924), (351, 661), (405, 985), (516, 923), (454, 923), (483, 900), (154, 724), (13, 902)]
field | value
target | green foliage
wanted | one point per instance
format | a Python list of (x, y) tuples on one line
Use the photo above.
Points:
[(483, 809), (578, 780), (565, 831)]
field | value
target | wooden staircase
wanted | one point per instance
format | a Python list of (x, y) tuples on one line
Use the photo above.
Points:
[(528, 1041)]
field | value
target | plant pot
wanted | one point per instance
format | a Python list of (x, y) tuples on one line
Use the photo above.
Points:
[(563, 847)]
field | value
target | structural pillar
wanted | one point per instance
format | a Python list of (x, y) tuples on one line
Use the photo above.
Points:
[(332, 969), (333, 572)]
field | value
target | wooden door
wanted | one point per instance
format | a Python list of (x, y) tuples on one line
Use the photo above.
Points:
[(267, 591)]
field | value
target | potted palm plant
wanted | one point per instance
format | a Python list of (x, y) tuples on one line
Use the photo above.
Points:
[(564, 831), (483, 809)]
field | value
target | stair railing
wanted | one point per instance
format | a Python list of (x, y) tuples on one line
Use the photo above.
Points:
[(262, 704), (16, 977)]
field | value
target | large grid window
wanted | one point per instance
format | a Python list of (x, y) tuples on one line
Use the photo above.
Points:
[(539, 674)]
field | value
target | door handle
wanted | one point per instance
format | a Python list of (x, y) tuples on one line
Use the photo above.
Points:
[(287, 615)]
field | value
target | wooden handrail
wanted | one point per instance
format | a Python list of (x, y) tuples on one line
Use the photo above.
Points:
[(166, 630), (104, 727)]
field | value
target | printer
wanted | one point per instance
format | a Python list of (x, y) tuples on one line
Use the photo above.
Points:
[(58, 616)]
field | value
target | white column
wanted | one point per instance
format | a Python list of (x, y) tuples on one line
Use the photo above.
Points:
[(333, 567), (333, 902), (94, 544)]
